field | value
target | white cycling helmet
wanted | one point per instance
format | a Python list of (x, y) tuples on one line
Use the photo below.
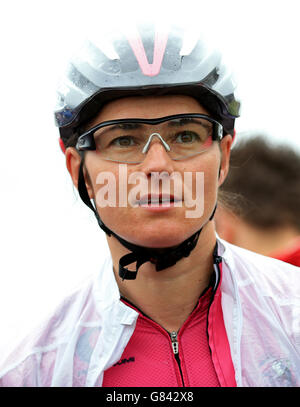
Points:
[(143, 62)]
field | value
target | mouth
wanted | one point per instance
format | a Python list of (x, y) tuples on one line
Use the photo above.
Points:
[(157, 200)]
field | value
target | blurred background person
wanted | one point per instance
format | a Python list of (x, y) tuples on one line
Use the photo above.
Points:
[(259, 202)]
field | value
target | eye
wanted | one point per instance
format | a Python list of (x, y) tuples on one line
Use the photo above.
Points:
[(124, 141), (187, 137)]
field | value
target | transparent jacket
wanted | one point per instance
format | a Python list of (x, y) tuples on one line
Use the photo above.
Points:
[(87, 334)]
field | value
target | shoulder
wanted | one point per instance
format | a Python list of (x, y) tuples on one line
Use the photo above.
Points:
[(289, 254), (266, 273), (39, 350)]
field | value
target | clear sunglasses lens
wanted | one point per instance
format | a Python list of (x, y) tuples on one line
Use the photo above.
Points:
[(125, 142)]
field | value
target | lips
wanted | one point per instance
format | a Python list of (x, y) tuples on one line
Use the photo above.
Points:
[(158, 199)]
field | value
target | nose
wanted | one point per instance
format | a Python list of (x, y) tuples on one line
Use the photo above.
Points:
[(147, 145), (157, 158)]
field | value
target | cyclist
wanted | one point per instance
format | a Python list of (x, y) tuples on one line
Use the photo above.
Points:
[(173, 305), (246, 214)]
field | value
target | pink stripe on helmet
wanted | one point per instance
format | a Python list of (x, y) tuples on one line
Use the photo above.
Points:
[(137, 46)]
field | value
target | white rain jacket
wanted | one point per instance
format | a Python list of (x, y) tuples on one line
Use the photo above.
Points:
[(260, 300)]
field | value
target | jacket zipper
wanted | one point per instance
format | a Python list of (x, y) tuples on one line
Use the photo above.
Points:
[(175, 347)]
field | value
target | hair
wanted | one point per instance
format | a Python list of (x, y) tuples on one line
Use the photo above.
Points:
[(72, 141), (263, 183)]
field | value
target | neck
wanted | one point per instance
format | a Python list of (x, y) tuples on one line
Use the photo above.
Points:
[(169, 296)]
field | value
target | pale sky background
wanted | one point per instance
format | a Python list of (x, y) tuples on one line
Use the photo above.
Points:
[(50, 240)]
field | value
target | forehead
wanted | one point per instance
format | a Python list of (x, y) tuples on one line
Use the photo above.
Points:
[(147, 107)]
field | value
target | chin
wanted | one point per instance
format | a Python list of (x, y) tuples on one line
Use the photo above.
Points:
[(161, 233), (158, 244), (158, 239)]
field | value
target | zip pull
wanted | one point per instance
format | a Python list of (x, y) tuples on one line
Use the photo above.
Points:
[(173, 336)]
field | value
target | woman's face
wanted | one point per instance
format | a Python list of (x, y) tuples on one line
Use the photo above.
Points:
[(159, 224)]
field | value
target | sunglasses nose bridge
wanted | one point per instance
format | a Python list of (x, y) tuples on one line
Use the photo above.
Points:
[(147, 145)]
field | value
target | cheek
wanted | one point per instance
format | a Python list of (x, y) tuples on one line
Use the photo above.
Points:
[(114, 217), (209, 167), (110, 187), (210, 190), (102, 180)]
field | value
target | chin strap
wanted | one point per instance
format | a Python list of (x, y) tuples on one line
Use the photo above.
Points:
[(161, 258)]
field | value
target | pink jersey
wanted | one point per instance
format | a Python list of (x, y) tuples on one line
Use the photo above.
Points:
[(155, 357), (190, 357)]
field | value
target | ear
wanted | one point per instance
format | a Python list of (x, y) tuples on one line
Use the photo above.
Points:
[(225, 146), (73, 161)]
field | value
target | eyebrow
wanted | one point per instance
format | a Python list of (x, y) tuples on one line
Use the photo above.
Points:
[(126, 126), (175, 122), (134, 125), (187, 120), (120, 126)]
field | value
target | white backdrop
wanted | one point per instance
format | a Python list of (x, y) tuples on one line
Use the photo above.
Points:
[(50, 240)]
